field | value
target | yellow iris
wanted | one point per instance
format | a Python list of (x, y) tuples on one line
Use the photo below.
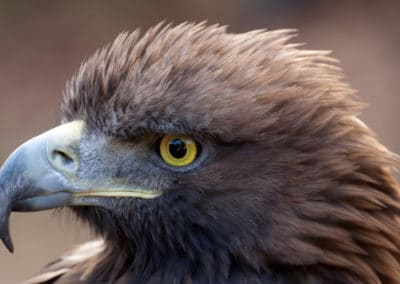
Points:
[(178, 150)]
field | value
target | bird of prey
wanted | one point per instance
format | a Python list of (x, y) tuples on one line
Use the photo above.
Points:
[(203, 156)]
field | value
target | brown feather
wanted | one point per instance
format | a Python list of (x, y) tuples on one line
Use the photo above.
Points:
[(308, 174)]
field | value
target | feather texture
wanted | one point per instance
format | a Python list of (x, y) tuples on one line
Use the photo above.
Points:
[(297, 190)]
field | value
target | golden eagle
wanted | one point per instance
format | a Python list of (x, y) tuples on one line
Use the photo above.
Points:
[(202, 156)]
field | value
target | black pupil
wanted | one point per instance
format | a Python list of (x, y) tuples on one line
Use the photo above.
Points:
[(177, 148)]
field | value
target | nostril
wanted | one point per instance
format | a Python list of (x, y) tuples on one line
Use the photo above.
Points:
[(62, 160)]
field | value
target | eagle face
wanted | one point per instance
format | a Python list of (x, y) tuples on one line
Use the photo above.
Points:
[(204, 155)]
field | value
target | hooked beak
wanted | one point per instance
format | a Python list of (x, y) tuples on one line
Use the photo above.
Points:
[(43, 174)]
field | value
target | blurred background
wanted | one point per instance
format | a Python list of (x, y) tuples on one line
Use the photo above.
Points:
[(43, 42)]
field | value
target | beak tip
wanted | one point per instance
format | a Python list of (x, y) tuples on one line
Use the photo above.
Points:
[(5, 228), (5, 236), (7, 242)]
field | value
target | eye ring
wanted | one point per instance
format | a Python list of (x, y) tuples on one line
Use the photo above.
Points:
[(178, 150)]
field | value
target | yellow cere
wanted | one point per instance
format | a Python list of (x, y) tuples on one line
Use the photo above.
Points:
[(136, 193), (178, 150)]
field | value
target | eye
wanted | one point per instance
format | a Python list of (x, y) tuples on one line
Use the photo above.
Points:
[(178, 150)]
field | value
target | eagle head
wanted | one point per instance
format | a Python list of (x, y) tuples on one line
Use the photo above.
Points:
[(208, 156)]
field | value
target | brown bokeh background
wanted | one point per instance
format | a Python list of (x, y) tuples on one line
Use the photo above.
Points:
[(43, 42)]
